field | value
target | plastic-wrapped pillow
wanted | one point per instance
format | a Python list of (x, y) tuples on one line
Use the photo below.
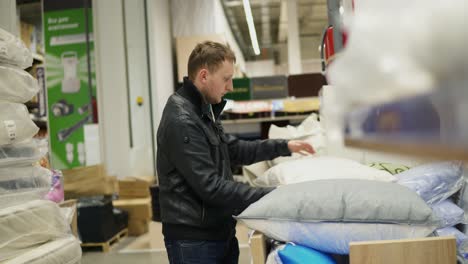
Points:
[(22, 153), (462, 239), (15, 123), (296, 254), (30, 224), (448, 213), (20, 179), (17, 85), (63, 250), (328, 214), (462, 199), (320, 168), (13, 51), (434, 182), (310, 130)]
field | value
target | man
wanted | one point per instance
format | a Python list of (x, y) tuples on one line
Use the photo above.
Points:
[(198, 195)]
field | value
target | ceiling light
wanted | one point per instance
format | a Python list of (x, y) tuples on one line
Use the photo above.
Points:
[(250, 23)]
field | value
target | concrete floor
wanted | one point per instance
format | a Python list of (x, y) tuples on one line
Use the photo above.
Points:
[(143, 257), (149, 248)]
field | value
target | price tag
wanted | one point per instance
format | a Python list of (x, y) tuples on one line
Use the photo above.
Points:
[(10, 126)]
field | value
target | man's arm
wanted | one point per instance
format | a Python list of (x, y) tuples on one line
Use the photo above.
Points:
[(244, 152), (190, 152)]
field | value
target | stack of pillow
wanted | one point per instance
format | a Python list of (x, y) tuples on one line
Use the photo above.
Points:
[(32, 229), (324, 203)]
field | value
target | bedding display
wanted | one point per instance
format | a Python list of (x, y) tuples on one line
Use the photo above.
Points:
[(328, 214)]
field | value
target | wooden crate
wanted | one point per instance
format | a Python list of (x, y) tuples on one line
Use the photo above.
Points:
[(434, 250)]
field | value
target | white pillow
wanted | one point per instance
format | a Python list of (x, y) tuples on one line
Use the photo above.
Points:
[(63, 250), (28, 225), (13, 51), (15, 123), (17, 85), (320, 168)]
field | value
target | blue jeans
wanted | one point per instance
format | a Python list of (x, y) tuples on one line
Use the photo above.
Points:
[(202, 251)]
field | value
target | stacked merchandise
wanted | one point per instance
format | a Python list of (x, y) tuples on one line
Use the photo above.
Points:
[(32, 229), (327, 202), (135, 199), (436, 184)]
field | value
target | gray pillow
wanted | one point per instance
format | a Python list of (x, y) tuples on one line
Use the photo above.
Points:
[(341, 200)]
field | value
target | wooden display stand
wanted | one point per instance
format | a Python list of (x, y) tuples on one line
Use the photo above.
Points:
[(258, 248), (432, 250)]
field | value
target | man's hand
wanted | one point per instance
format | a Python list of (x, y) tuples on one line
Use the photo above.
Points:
[(301, 147)]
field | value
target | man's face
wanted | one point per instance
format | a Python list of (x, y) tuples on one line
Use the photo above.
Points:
[(219, 82)]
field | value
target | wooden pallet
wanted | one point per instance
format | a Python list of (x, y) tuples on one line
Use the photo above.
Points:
[(106, 246)]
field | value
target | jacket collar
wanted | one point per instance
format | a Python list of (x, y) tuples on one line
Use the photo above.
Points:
[(190, 92)]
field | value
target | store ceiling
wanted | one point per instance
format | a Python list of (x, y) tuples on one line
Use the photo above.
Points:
[(270, 18)]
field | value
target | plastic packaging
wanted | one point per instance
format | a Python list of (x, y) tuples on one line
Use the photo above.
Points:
[(23, 153), (15, 123), (462, 239), (273, 257), (64, 250), (448, 213), (310, 130), (56, 192), (30, 224), (434, 182), (13, 51), (17, 85), (397, 58), (17, 179), (319, 168), (462, 200), (334, 238)]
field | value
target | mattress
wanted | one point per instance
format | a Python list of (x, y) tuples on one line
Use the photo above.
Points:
[(30, 224), (65, 250)]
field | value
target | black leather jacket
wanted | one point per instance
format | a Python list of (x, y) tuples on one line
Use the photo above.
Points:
[(198, 195)]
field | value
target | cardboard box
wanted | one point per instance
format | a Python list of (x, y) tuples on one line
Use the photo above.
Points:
[(138, 209), (138, 227), (135, 187), (88, 181)]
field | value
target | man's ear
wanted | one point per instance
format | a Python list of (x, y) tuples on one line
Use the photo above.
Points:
[(203, 75)]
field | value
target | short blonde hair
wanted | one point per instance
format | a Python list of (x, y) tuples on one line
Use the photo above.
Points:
[(208, 54)]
